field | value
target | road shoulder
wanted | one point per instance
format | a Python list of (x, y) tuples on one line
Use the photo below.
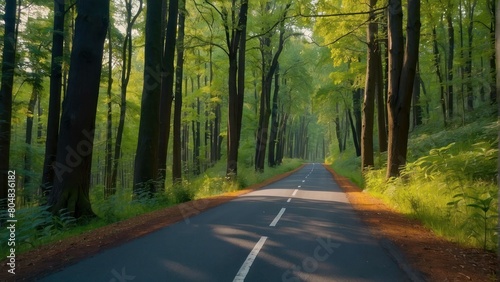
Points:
[(436, 258)]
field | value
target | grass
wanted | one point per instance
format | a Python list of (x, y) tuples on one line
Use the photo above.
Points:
[(449, 183), (36, 226), (348, 166)]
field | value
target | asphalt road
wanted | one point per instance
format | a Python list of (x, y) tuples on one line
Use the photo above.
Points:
[(301, 228)]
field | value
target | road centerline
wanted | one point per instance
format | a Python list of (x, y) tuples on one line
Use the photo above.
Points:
[(245, 267), (277, 218), (295, 192)]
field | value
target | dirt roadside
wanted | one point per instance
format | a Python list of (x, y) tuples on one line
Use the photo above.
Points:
[(436, 258)]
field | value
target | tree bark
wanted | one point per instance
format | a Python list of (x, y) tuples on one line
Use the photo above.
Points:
[(357, 146), (29, 131), (451, 53), (338, 131), (493, 64), (468, 59), (177, 160), (280, 147), (39, 134), (381, 101), (370, 90), (269, 64), (146, 158), (8, 65), (401, 77), (437, 64), (126, 57), (75, 144), (417, 108), (274, 121), (55, 98), (167, 89), (108, 177), (236, 41)]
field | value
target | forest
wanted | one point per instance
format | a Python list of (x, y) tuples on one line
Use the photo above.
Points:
[(109, 109)]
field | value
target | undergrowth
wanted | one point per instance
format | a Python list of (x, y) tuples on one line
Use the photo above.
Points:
[(37, 226), (449, 183)]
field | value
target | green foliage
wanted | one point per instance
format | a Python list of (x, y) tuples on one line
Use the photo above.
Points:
[(348, 166), (36, 225), (451, 188)]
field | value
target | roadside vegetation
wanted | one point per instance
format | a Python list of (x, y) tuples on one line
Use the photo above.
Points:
[(37, 226), (449, 183)]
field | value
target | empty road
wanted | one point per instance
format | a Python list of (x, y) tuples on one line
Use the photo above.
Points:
[(301, 228)]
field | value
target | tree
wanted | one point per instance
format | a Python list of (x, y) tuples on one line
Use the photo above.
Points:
[(126, 58), (8, 62), (146, 158), (235, 35), (449, 62), (273, 137), (167, 87), (76, 134), (177, 163), (492, 5), (370, 89), (468, 59), (55, 98), (437, 64), (403, 63), (269, 66), (108, 174)]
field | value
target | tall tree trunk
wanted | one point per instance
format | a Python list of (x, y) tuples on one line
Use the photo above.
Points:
[(450, 70), (197, 135), (437, 64), (357, 147), (280, 146), (493, 64), (236, 40), (417, 108), (177, 160), (264, 108), (108, 188), (338, 131), (401, 76), (381, 101), (146, 158), (8, 65), (370, 90), (167, 89), (274, 121), (68, 41), (497, 62), (126, 57), (74, 155), (55, 98), (39, 133), (29, 131), (270, 64), (356, 108), (462, 58), (468, 60)]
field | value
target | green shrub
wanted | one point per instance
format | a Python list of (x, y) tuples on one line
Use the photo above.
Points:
[(450, 188)]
